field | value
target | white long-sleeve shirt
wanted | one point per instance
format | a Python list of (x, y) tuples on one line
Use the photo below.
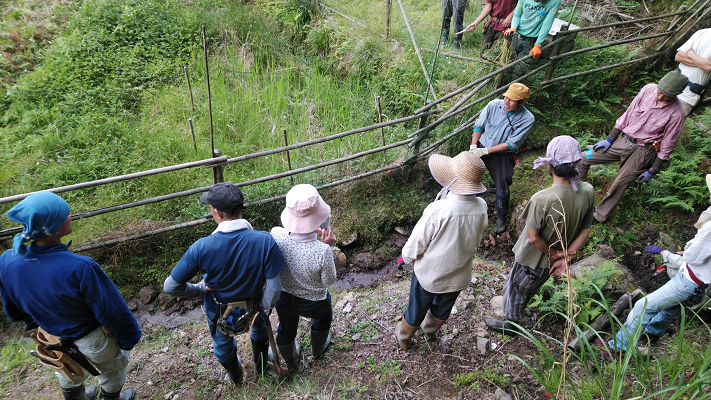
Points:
[(697, 254), (442, 244)]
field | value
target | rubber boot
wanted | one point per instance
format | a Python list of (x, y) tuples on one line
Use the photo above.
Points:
[(445, 38), (124, 395), (260, 352), (431, 325), (457, 43), (499, 326), (291, 354), (404, 333), (80, 393), (502, 208), (500, 226), (320, 342), (234, 369)]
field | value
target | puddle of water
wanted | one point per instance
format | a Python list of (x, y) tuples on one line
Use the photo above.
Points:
[(361, 279)]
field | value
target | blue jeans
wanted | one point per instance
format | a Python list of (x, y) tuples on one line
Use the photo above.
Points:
[(662, 306), (225, 346), (290, 308), (421, 301)]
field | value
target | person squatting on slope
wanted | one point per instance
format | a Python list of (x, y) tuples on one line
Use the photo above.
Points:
[(655, 311), (500, 14), (442, 245), (558, 221), (309, 271), (74, 299), (642, 139), (694, 59), (531, 22), (237, 262), (498, 133), (453, 10)]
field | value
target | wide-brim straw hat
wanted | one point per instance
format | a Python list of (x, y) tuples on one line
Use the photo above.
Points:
[(305, 209), (466, 168)]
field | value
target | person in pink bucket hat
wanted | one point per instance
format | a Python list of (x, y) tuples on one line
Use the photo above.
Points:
[(309, 271)]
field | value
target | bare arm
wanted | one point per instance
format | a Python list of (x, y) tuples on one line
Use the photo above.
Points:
[(684, 59), (498, 148), (476, 136), (538, 242), (507, 21), (484, 13), (703, 63)]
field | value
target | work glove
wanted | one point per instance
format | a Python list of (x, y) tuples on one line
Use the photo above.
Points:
[(604, 145), (472, 147), (653, 249), (480, 151), (536, 50), (646, 176), (510, 32)]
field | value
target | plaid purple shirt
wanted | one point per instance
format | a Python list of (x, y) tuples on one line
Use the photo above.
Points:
[(646, 121)]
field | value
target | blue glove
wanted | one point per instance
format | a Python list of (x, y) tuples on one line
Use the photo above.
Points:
[(646, 176), (653, 249), (604, 145)]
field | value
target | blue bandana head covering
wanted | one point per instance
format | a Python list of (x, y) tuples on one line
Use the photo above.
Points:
[(41, 214)]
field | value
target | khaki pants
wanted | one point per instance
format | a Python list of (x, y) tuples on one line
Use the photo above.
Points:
[(634, 160)]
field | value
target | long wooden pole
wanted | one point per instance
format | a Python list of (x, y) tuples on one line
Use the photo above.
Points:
[(602, 46), (417, 50), (209, 93), (388, 11)]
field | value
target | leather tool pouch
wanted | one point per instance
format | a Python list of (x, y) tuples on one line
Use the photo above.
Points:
[(235, 318), (56, 360)]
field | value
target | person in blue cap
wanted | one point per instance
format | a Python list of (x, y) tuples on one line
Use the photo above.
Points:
[(75, 299)]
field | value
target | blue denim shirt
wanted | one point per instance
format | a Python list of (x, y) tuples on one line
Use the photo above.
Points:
[(496, 129)]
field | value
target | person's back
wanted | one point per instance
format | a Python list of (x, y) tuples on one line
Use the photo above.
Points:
[(694, 59)]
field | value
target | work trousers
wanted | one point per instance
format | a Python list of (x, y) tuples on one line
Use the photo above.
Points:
[(655, 311), (500, 166), (453, 9), (420, 301), (521, 46), (490, 35), (225, 346), (105, 354), (290, 308), (634, 160), (521, 284)]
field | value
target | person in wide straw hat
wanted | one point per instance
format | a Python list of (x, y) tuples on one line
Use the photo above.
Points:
[(442, 245), (309, 271)]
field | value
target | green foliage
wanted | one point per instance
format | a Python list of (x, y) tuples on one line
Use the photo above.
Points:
[(553, 297), (487, 374), (386, 370), (14, 353), (620, 241)]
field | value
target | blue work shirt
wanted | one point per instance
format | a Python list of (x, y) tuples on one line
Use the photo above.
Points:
[(68, 295), (236, 264), (494, 124)]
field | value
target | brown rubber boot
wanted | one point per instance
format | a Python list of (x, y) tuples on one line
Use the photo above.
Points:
[(404, 333), (431, 325)]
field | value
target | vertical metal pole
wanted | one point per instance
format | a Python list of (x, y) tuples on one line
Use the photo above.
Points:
[(288, 156), (209, 93), (388, 10), (217, 175), (380, 117), (192, 133), (190, 88)]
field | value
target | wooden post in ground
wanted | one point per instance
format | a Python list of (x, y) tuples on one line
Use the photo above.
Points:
[(288, 155), (380, 117), (417, 50), (556, 50), (190, 88), (192, 133), (217, 174), (388, 11)]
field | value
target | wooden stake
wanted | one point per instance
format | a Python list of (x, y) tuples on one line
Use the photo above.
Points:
[(417, 50), (388, 11), (217, 174), (288, 156), (192, 133), (209, 93), (190, 89), (380, 117)]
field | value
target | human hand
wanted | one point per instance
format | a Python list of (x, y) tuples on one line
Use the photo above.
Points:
[(646, 176), (327, 236), (509, 32), (472, 147), (536, 50), (471, 27), (480, 151), (207, 289), (558, 268), (604, 145), (653, 249), (507, 21)]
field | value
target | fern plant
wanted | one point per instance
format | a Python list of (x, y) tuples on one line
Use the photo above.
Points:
[(553, 296)]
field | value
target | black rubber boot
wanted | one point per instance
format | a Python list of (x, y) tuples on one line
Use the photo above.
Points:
[(260, 351), (500, 226), (445, 38), (502, 208), (291, 354), (320, 342), (234, 369), (457, 43), (499, 326), (124, 395), (80, 393)]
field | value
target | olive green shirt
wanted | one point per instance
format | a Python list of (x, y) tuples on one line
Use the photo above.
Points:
[(558, 208)]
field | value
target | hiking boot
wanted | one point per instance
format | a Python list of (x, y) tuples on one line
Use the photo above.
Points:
[(80, 393), (234, 369), (291, 354), (431, 325), (319, 342), (124, 395), (445, 39), (457, 44), (499, 326), (500, 226), (260, 354), (404, 333)]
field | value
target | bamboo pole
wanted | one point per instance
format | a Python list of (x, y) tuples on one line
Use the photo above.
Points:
[(190, 88), (349, 18), (602, 46), (209, 92), (417, 50), (635, 21), (444, 53), (119, 178), (578, 74)]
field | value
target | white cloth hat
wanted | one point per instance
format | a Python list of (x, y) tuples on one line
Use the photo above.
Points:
[(305, 209)]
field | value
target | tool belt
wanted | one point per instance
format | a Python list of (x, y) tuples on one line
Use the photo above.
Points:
[(654, 144), (234, 319), (61, 355)]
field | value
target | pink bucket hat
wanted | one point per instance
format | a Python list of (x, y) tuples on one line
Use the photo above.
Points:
[(305, 209)]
